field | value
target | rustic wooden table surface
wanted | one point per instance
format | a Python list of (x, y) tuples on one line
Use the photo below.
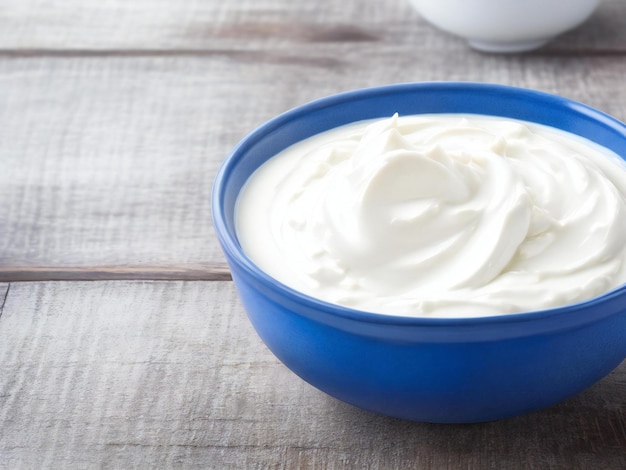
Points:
[(122, 341)]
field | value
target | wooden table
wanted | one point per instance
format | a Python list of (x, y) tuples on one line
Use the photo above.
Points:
[(122, 341)]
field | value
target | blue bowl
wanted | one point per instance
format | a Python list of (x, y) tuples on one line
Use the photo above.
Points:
[(427, 369)]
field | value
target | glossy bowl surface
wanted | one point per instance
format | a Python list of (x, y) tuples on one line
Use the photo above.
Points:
[(426, 369), (506, 25)]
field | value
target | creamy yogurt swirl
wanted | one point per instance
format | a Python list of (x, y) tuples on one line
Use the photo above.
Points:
[(440, 215)]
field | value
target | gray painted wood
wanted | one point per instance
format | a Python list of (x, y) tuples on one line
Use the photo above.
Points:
[(171, 374), (109, 162), (61, 25)]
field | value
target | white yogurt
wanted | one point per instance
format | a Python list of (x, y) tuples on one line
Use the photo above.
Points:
[(440, 215)]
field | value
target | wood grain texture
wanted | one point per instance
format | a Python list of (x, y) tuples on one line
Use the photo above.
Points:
[(171, 374), (187, 25), (110, 161)]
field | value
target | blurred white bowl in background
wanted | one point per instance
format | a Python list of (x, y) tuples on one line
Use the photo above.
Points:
[(506, 25)]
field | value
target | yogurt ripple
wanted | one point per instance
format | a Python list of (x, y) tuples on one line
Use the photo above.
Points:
[(440, 215)]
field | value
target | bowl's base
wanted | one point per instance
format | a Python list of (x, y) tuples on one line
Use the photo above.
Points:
[(506, 47)]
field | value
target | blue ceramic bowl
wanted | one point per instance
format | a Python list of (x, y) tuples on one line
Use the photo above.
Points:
[(426, 369)]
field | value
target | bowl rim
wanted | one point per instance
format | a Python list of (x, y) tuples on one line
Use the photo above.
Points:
[(235, 253)]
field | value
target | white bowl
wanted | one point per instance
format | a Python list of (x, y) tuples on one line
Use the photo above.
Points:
[(506, 25)]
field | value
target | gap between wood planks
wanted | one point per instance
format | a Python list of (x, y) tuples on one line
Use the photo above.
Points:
[(213, 272), (4, 299), (260, 55)]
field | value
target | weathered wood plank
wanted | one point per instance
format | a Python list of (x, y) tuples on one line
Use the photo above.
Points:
[(186, 25), (156, 374), (109, 161)]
